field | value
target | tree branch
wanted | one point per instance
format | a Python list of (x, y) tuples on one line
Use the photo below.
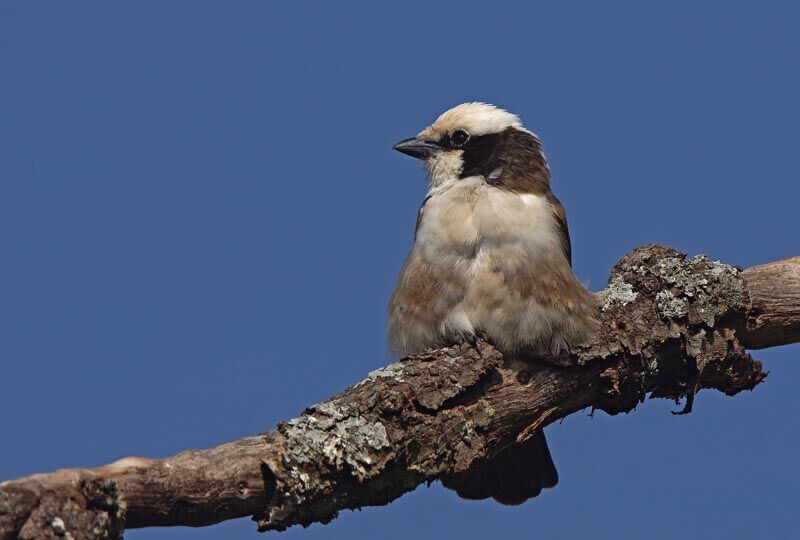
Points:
[(670, 327)]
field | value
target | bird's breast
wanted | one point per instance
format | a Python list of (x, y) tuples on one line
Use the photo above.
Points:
[(448, 223), (471, 217)]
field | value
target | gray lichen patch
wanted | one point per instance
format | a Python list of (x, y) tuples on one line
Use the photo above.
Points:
[(670, 306), (697, 288), (344, 443), (392, 371), (687, 309), (326, 445), (618, 293), (676, 271), (728, 293), (701, 288), (404, 423)]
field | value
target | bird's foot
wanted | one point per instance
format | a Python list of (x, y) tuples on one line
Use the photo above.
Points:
[(470, 338)]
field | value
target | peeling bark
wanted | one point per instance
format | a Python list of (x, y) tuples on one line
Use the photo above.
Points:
[(671, 326)]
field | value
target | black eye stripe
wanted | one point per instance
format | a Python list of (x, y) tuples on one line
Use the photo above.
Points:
[(518, 156)]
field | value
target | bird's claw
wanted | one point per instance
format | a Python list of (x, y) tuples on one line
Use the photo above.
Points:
[(471, 339)]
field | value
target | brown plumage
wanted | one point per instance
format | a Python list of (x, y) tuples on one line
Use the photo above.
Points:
[(491, 256)]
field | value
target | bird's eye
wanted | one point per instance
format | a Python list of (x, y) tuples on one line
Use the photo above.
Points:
[(459, 138)]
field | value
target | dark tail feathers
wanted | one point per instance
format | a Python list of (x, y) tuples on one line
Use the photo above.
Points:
[(513, 476)]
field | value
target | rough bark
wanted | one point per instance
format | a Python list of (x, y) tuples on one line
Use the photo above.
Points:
[(670, 327)]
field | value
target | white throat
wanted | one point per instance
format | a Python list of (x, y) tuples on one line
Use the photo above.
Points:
[(444, 169)]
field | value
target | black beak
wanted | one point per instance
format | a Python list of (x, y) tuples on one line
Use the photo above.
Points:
[(416, 148)]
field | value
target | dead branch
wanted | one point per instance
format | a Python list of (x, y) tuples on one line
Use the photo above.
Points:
[(671, 326)]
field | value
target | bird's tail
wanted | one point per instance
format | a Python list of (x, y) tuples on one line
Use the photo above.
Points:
[(518, 473)]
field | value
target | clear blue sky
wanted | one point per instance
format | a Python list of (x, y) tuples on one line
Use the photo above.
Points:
[(201, 220)]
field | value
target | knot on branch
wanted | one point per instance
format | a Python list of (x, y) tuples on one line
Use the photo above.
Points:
[(669, 328)]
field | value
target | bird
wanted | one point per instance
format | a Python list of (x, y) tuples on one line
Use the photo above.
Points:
[(491, 258)]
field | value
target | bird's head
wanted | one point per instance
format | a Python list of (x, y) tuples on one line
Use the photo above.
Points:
[(478, 139)]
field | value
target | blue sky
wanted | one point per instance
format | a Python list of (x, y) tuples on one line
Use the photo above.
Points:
[(201, 221)]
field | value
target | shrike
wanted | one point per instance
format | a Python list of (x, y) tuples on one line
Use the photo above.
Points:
[(491, 257)]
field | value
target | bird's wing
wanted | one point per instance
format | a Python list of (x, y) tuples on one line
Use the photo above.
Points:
[(561, 223), (419, 215)]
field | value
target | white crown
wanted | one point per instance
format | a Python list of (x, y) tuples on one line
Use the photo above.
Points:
[(475, 118)]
